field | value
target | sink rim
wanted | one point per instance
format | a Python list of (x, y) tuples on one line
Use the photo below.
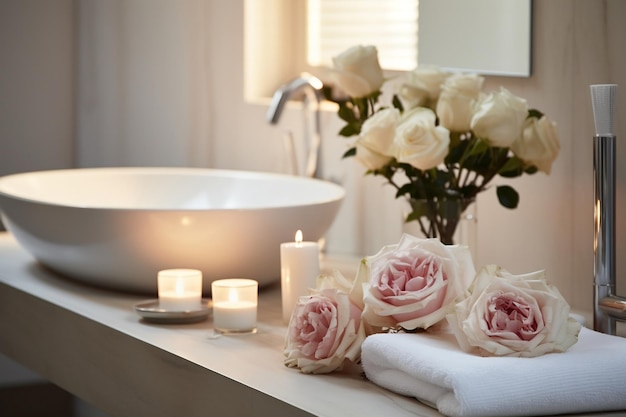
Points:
[(331, 191)]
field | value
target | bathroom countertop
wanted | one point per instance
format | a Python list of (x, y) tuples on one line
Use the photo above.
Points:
[(91, 342)]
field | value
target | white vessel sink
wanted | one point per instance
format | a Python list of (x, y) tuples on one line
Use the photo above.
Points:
[(117, 227)]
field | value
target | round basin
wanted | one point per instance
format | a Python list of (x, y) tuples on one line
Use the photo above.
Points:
[(117, 227)]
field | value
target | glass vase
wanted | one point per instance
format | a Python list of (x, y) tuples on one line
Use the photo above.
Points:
[(451, 220)]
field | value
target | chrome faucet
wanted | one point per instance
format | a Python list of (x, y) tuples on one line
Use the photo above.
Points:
[(313, 89), (608, 306)]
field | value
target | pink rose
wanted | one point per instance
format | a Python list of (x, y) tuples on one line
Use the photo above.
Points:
[(415, 283), (513, 315), (325, 329)]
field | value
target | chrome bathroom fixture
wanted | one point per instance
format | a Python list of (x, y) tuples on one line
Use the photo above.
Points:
[(608, 306), (312, 86)]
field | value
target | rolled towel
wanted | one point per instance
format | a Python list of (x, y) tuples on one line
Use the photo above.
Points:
[(590, 376)]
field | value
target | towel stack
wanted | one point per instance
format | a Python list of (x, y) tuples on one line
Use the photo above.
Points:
[(589, 377)]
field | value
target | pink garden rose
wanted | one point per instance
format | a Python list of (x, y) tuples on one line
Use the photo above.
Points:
[(513, 315), (415, 283), (326, 327)]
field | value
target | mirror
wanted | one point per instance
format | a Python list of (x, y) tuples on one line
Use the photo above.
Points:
[(491, 37), (275, 38)]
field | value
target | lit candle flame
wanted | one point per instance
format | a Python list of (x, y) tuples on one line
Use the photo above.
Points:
[(299, 237), (232, 295), (180, 288)]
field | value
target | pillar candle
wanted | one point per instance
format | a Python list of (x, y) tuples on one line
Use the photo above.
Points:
[(299, 268)]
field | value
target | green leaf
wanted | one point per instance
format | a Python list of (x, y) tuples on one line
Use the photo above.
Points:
[(345, 113), (534, 113), (507, 196), (514, 167), (478, 147), (350, 129), (414, 215), (350, 152), (531, 170), (407, 188), (397, 103)]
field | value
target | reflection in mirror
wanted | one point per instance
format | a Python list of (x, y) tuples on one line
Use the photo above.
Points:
[(333, 26), (491, 37)]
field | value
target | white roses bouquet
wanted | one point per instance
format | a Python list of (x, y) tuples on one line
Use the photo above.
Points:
[(447, 137), (417, 284)]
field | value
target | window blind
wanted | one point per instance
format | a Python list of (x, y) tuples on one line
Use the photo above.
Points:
[(336, 25)]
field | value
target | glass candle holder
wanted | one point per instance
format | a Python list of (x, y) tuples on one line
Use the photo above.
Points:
[(235, 303), (180, 289)]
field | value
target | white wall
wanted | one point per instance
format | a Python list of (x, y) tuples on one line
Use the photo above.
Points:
[(37, 78), (142, 94)]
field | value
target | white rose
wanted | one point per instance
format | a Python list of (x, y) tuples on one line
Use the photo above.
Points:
[(459, 94), (415, 283), (513, 315), (357, 71), (499, 118), (539, 143), (422, 87), (418, 141), (374, 147)]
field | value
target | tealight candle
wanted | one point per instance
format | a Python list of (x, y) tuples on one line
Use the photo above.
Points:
[(180, 289), (235, 305), (299, 268)]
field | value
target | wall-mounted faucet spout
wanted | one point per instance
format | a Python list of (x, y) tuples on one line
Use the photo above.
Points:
[(312, 87), (608, 307)]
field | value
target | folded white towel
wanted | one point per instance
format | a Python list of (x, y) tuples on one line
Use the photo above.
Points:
[(590, 376)]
